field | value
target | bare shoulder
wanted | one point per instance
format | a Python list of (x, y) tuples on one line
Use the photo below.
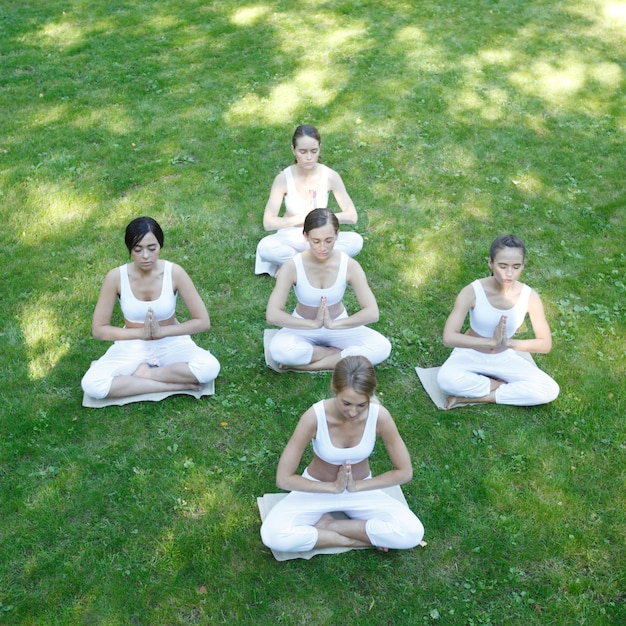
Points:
[(280, 180), (534, 300), (287, 273), (385, 424), (466, 297), (112, 278), (383, 413), (354, 269), (307, 425)]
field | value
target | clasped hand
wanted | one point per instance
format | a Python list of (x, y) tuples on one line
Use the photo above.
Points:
[(323, 318), (500, 337), (151, 326), (344, 480)]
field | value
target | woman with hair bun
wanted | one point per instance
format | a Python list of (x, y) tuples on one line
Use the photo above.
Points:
[(343, 431), (304, 186), (320, 332), (153, 352), (485, 365)]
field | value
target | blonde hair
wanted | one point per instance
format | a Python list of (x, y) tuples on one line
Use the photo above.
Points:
[(354, 372)]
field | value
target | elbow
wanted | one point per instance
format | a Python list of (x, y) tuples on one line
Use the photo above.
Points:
[(268, 224), (281, 483), (447, 342), (406, 475), (373, 314), (271, 318)]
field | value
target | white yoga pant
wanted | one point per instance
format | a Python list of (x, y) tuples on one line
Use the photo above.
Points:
[(294, 346), (467, 374), (290, 525), (274, 250), (124, 357)]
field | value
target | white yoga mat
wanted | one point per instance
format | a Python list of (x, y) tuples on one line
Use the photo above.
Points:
[(208, 389), (267, 502), (428, 378)]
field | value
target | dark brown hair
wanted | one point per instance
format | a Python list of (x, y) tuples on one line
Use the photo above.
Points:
[(139, 228)]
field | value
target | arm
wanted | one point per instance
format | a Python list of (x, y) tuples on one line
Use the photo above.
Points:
[(402, 471), (542, 343), (275, 313), (199, 321), (271, 219), (101, 324), (368, 312), (286, 477), (348, 214), (452, 335)]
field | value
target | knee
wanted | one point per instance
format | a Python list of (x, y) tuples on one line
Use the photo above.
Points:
[(401, 534), (552, 390), (95, 386), (353, 243), (291, 354), (264, 246), (288, 540), (385, 348), (205, 369), (446, 382), (381, 351)]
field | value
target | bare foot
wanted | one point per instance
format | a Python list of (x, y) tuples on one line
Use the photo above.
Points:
[(148, 372), (324, 522), (143, 371)]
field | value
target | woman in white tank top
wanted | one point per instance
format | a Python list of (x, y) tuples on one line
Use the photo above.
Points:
[(304, 186), (153, 352), (486, 364), (320, 332), (343, 430)]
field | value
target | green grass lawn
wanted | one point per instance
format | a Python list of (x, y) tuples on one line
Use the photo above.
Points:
[(450, 124)]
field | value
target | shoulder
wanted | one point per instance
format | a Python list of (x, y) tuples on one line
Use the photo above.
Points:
[(307, 424), (330, 173), (280, 180), (352, 264), (385, 423), (534, 299), (180, 278), (467, 295), (113, 276)]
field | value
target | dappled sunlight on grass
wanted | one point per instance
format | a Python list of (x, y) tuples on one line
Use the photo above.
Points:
[(56, 209), (424, 262), (42, 332), (561, 83), (58, 34), (615, 14), (249, 16), (528, 182), (311, 86), (45, 113), (114, 118), (606, 17), (320, 76)]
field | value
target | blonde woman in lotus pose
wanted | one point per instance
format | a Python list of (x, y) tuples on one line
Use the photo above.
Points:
[(343, 431)]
